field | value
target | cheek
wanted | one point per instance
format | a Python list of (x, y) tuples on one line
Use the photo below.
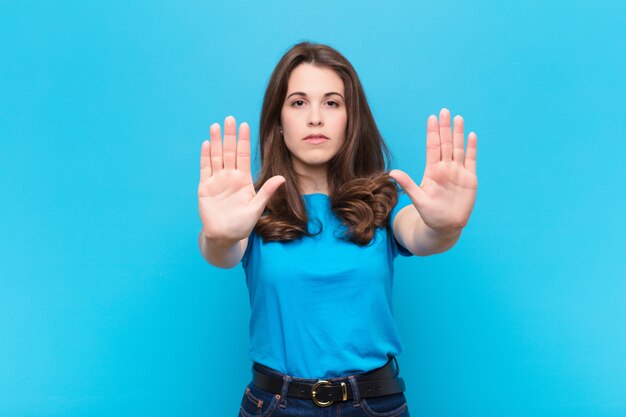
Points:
[(342, 125), (342, 122), (289, 116), (291, 144)]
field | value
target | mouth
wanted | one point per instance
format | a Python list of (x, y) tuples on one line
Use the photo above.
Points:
[(316, 136), (316, 139)]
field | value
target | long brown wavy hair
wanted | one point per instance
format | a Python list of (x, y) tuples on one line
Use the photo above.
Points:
[(362, 194)]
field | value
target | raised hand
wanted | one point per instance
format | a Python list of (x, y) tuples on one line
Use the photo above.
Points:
[(228, 204), (446, 196)]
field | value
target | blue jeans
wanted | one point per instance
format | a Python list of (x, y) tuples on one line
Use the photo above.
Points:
[(257, 402)]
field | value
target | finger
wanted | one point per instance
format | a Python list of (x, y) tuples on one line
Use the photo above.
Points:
[(229, 151), (408, 185), (445, 134), (243, 148), (470, 155), (205, 161), (216, 149), (433, 145), (266, 192), (457, 139)]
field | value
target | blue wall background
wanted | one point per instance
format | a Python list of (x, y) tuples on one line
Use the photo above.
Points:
[(106, 305)]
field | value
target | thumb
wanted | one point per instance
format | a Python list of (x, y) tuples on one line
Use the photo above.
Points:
[(266, 192), (409, 186)]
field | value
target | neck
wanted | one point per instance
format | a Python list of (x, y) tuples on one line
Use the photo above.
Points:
[(313, 180)]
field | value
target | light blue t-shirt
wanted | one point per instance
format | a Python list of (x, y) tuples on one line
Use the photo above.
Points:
[(321, 307)]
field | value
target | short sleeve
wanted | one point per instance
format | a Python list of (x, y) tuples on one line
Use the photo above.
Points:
[(403, 201), (247, 254)]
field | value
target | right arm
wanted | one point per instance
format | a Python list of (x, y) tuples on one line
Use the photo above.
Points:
[(222, 254), (228, 204)]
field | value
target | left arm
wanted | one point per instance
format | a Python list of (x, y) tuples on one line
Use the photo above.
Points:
[(411, 232), (442, 204)]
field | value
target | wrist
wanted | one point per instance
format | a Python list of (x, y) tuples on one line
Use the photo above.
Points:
[(218, 242)]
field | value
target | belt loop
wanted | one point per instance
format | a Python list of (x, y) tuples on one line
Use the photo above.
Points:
[(355, 391), (284, 390), (397, 367)]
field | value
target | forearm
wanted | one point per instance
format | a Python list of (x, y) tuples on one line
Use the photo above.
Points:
[(223, 254), (427, 241)]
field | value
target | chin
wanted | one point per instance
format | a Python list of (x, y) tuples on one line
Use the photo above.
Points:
[(316, 161), (313, 163)]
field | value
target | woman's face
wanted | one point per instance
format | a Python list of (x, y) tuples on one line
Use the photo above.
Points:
[(314, 105)]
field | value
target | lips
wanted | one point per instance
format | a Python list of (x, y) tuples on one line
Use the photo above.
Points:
[(316, 139), (316, 136)]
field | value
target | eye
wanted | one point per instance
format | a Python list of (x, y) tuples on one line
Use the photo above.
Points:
[(296, 101), (336, 104)]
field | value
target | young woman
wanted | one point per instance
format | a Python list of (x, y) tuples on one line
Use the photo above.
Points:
[(318, 231)]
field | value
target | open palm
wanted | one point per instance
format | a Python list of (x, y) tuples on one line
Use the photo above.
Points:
[(447, 193), (228, 204)]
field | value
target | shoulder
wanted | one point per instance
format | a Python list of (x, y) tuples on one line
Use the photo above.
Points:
[(404, 217), (404, 202)]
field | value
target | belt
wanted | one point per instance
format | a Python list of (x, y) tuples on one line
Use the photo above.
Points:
[(375, 383)]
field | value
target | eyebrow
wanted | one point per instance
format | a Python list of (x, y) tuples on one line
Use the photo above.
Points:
[(300, 93)]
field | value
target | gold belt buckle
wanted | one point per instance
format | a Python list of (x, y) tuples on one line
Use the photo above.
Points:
[(344, 393), (314, 393)]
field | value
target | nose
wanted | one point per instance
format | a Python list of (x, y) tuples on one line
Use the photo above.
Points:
[(315, 117)]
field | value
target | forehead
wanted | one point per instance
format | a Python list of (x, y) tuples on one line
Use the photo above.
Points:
[(314, 80)]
